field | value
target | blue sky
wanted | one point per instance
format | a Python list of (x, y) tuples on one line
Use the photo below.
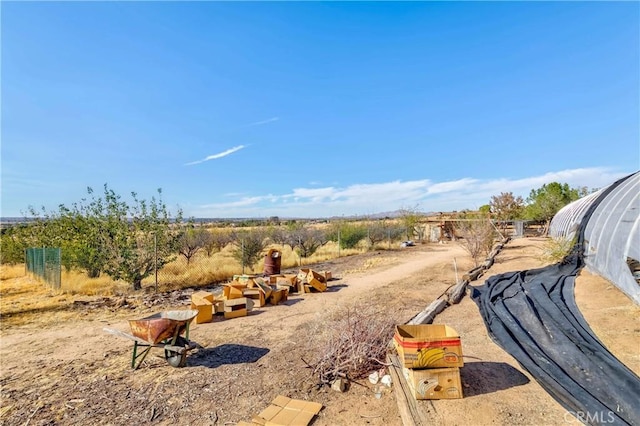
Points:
[(315, 109)]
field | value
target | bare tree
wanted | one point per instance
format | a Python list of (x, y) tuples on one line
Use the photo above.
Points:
[(307, 240), (383, 230), (506, 207), (478, 235), (215, 240), (191, 241), (281, 235)]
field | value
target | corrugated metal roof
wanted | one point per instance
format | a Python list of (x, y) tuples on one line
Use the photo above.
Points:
[(612, 234)]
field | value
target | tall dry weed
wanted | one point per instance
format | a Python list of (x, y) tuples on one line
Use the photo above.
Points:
[(555, 249)]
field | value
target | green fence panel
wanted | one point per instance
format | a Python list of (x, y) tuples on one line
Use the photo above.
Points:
[(44, 263)]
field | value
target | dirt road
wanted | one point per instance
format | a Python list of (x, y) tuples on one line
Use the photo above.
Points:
[(75, 373)]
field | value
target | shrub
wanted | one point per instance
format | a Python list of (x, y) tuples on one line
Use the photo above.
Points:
[(556, 249)]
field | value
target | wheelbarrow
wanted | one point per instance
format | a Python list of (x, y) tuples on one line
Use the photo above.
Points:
[(162, 330)]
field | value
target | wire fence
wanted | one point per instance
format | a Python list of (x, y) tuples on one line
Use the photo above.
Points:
[(44, 263)]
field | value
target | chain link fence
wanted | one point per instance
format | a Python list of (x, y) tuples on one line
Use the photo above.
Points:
[(44, 263)]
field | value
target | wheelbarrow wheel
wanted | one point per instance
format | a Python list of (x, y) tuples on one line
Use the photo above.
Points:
[(176, 359)]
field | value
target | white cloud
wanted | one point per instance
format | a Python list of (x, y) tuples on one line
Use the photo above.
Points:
[(216, 156), (465, 193), (259, 123)]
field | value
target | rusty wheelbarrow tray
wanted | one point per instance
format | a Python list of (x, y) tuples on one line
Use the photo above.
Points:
[(162, 330)]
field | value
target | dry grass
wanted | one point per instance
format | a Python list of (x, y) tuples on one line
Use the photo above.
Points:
[(8, 272), (74, 282), (201, 271), (555, 249), (26, 300), (373, 262)]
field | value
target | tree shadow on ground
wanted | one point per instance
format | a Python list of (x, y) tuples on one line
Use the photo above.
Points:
[(486, 377), (229, 353)]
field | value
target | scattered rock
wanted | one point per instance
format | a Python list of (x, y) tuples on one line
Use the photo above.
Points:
[(339, 385)]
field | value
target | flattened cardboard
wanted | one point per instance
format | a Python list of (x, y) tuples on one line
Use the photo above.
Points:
[(284, 411)]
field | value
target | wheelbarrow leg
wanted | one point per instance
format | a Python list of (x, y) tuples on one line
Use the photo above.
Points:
[(141, 355)]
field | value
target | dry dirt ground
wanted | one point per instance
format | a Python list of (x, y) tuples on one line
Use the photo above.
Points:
[(72, 372)]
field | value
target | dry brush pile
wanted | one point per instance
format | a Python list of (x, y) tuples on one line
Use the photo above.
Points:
[(350, 343)]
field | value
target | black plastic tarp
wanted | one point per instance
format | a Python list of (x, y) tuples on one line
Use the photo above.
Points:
[(534, 317)]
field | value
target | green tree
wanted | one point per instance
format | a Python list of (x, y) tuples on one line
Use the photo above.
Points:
[(249, 246), (12, 245), (348, 233), (410, 218), (543, 203), (105, 234), (76, 230), (485, 209), (138, 238)]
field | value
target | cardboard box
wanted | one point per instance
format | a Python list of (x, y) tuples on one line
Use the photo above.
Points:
[(327, 275), (266, 289), (289, 279), (232, 292), (218, 306), (204, 308), (235, 314), (244, 280), (255, 294), (302, 275), (273, 279), (314, 275), (317, 284), (232, 304), (242, 302), (206, 295), (276, 296), (434, 383), (236, 307), (428, 346), (285, 411)]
